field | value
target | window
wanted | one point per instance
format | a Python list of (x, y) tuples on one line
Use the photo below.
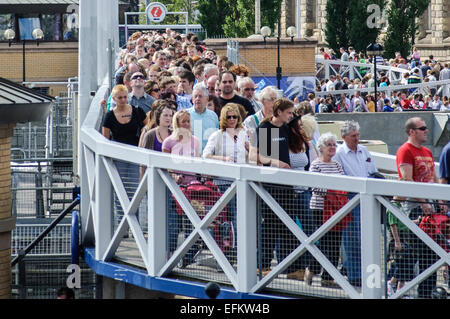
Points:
[(70, 26), (26, 27), (51, 26), (6, 22)]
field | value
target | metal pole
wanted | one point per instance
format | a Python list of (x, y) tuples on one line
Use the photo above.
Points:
[(375, 75), (298, 15), (23, 61), (279, 72)]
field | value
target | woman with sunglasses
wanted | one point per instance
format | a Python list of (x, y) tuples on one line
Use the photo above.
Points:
[(228, 143), (152, 89)]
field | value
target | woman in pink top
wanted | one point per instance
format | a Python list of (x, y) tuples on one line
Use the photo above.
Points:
[(182, 142)]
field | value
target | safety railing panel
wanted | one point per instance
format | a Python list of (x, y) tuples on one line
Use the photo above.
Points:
[(114, 205)]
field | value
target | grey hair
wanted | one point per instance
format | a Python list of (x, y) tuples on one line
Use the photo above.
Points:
[(349, 126), (244, 80), (266, 92), (201, 88), (324, 139), (210, 67)]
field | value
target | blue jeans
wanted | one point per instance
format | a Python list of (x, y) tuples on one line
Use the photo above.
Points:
[(172, 224), (351, 240)]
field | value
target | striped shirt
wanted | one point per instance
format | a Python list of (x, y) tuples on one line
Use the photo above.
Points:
[(318, 194)]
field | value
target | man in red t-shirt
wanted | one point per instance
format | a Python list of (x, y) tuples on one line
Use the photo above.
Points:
[(415, 163)]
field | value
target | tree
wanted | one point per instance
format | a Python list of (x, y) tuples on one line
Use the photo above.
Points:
[(240, 22), (270, 12), (402, 26), (361, 30), (212, 16), (337, 25)]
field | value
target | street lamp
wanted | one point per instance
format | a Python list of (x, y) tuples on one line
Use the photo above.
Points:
[(291, 32), (375, 49), (10, 35)]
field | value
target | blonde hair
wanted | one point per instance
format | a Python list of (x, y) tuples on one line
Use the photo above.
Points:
[(229, 107), (119, 88), (175, 122), (309, 125)]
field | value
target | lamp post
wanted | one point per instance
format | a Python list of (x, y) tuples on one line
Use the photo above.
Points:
[(10, 35), (291, 32), (375, 49)]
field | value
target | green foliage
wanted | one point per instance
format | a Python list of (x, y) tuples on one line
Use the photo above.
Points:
[(240, 20), (212, 16), (236, 18), (360, 33), (347, 24), (402, 26), (337, 26)]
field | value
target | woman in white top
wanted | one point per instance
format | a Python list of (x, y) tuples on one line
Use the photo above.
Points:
[(228, 143)]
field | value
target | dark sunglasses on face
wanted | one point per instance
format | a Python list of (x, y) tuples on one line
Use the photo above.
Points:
[(249, 89), (155, 90), (234, 117), (422, 128), (137, 77)]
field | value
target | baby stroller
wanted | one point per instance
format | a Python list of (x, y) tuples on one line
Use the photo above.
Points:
[(203, 196)]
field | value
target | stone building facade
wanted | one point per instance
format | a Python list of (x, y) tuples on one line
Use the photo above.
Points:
[(434, 26)]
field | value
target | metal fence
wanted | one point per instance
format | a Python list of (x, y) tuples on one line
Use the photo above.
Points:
[(46, 139), (41, 188), (44, 276)]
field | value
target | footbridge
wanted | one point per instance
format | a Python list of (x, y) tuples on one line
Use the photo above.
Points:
[(136, 240)]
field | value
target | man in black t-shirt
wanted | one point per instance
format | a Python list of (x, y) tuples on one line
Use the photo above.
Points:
[(273, 150), (273, 136), (227, 82)]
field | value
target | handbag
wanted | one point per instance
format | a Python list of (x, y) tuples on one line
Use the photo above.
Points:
[(334, 200)]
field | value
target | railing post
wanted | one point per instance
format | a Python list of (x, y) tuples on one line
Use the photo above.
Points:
[(371, 247), (22, 275), (157, 221), (103, 208), (246, 235)]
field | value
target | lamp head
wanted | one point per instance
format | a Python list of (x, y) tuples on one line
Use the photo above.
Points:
[(291, 32), (38, 34), (9, 35), (265, 31)]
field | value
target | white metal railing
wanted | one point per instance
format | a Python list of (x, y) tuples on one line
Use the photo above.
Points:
[(353, 70), (439, 86), (102, 179)]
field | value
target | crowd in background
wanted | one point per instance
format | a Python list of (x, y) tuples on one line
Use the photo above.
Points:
[(417, 70)]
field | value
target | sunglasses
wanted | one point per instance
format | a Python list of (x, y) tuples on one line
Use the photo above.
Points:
[(155, 90), (249, 89), (137, 77), (234, 117), (422, 128)]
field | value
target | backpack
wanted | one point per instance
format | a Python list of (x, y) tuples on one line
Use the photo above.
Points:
[(434, 226)]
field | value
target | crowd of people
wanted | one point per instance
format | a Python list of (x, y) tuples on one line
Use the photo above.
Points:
[(417, 70), (174, 95)]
